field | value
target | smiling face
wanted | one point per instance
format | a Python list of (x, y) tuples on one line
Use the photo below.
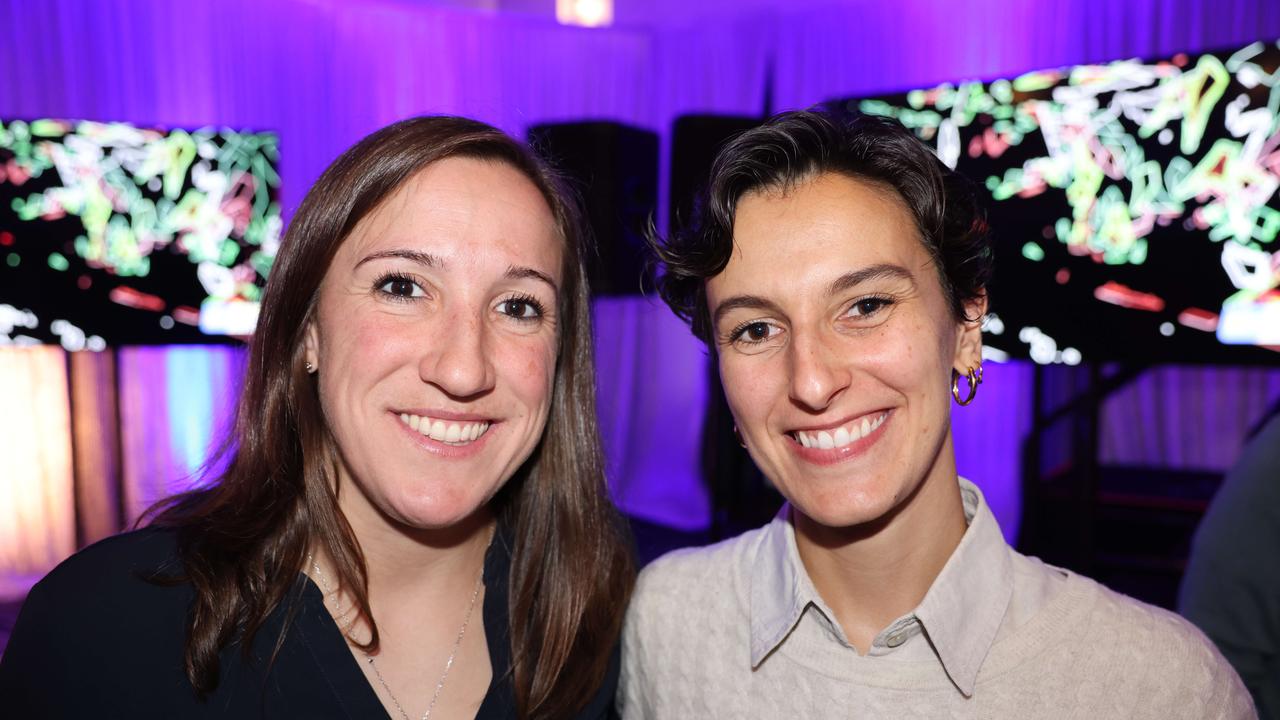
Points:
[(435, 338), (836, 344)]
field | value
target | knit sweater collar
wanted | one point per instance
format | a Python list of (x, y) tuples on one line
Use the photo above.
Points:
[(960, 614)]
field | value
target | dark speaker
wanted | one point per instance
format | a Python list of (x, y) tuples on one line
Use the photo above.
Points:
[(615, 169), (741, 498), (694, 143)]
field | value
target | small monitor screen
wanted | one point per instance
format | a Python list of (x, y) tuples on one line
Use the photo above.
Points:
[(1134, 204), (112, 234)]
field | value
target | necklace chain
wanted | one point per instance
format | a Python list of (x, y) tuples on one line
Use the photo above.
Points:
[(457, 642)]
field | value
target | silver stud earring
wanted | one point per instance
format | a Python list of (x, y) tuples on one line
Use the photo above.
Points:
[(309, 368)]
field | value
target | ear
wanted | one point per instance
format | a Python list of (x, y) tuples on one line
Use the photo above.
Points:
[(969, 341), (311, 344)]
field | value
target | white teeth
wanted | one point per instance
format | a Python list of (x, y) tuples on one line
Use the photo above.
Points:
[(451, 433), (842, 436)]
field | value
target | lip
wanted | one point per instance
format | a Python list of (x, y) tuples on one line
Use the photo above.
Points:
[(443, 414), (832, 456), (870, 414), (442, 449)]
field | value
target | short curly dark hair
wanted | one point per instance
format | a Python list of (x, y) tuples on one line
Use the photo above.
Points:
[(794, 146)]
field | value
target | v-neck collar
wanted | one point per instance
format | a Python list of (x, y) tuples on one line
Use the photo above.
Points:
[(341, 671)]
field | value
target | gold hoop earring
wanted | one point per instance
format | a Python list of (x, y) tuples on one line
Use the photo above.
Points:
[(973, 377)]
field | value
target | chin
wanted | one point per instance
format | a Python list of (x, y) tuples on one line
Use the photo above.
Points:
[(845, 507), (438, 511), (842, 517)]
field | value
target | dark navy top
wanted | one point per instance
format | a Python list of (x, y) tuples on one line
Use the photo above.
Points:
[(96, 639)]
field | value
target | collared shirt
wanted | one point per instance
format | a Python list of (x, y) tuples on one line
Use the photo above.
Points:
[(956, 623), (738, 630)]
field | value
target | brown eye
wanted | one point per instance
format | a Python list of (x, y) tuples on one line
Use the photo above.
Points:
[(400, 288), (753, 333), (521, 308), (868, 306)]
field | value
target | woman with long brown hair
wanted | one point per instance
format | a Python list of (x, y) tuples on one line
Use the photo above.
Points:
[(413, 517)]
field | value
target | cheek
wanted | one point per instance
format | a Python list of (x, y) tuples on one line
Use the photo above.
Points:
[(529, 370), (910, 356), (909, 360), (750, 387), (364, 344)]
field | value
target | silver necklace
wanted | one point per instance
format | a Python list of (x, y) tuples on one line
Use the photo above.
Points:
[(457, 643)]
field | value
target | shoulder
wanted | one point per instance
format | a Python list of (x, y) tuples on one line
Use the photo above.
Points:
[(114, 563), (696, 577), (689, 608), (105, 585), (94, 621), (1135, 621), (1176, 662)]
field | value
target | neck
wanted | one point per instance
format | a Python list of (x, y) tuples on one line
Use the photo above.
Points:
[(408, 566), (872, 574), (404, 559)]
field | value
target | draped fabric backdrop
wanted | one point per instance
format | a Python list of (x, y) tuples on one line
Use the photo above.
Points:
[(322, 73)]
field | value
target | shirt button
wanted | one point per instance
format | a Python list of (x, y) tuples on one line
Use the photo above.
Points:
[(896, 639)]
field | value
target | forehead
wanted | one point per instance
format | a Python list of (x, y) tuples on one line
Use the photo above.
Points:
[(463, 206), (817, 230)]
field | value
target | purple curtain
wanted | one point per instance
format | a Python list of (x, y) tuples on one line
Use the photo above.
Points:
[(322, 73)]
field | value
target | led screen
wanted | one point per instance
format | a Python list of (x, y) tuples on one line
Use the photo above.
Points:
[(112, 234), (1134, 204)]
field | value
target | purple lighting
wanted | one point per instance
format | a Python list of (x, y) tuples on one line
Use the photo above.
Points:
[(322, 73), (652, 394)]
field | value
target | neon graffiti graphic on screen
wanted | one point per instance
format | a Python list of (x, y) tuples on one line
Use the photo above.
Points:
[(112, 234), (1135, 203)]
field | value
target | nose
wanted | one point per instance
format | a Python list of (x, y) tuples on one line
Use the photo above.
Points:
[(818, 373), (457, 358)]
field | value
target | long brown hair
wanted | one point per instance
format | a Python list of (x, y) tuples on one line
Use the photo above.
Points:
[(243, 538)]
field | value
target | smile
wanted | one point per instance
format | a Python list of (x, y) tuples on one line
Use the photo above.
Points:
[(449, 433), (844, 435)]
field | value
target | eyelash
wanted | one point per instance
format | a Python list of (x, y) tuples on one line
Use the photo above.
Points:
[(539, 309), (736, 334), (396, 277), (882, 303)]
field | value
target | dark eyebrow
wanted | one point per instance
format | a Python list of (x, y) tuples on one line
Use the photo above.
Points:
[(840, 284), (412, 255), (875, 272), (750, 302), (521, 273)]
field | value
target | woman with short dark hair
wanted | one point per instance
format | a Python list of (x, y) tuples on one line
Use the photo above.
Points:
[(413, 518), (839, 275)]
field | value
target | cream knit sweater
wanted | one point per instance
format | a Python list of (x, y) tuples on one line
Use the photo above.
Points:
[(1083, 652)]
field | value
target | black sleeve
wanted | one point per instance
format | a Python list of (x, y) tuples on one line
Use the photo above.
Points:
[(93, 639), (1231, 589), (35, 666), (602, 706)]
